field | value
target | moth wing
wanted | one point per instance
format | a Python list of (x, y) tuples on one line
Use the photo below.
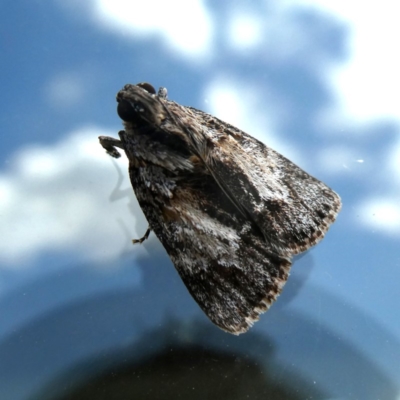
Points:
[(291, 208), (224, 262), (234, 295)]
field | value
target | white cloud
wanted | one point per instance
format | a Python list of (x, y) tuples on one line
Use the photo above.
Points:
[(342, 159), (382, 214), (185, 25), (393, 161), (245, 31), (366, 85), (63, 198), (250, 109), (65, 90)]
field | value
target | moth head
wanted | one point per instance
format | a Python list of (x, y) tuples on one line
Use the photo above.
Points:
[(139, 104)]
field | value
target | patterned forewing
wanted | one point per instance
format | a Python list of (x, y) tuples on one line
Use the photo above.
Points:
[(291, 208), (224, 262)]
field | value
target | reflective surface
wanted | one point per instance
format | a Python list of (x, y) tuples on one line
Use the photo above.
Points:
[(85, 313)]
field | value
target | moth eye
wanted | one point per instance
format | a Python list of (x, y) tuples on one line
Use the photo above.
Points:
[(147, 87), (125, 110)]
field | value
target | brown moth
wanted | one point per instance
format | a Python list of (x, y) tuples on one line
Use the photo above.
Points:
[(230, 211)]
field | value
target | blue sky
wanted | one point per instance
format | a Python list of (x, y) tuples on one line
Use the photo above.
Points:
[(315, 80)]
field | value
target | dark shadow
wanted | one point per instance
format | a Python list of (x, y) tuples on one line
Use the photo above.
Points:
[(181, 370), (119, 332)]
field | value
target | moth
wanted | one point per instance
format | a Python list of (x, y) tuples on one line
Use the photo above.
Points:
[(230, 211)]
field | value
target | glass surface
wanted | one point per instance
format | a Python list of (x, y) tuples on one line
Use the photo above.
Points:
[(86, 314)]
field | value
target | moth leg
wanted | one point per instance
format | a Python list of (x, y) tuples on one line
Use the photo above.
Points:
[(110, 145), (143, 238)]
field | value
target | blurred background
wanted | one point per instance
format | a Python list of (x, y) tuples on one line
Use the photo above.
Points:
[(84, 313)]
